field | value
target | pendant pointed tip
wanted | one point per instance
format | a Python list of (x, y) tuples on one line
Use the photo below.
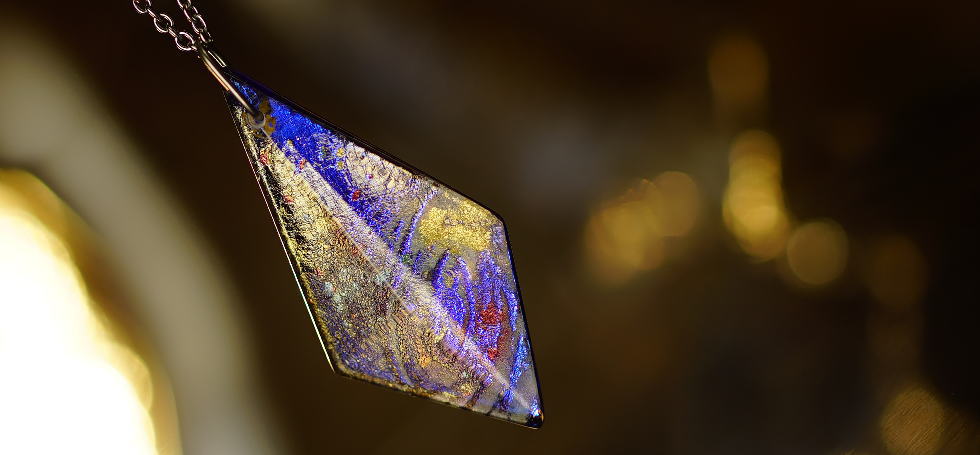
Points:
[(535, 420)]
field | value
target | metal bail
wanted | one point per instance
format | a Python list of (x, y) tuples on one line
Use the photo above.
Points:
[(213, 62)]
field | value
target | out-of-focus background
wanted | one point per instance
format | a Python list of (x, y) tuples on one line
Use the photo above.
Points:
[(740, 229)]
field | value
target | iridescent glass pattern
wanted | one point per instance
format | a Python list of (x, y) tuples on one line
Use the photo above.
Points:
[(410, 284)]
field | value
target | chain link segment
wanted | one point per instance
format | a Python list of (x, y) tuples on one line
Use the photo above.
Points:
[(200, 42), (163, 23)]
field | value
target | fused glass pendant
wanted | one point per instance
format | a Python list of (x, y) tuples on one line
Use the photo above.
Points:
[(410, 284)]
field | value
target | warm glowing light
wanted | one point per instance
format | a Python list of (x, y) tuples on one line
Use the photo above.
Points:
[(680, 203), (66, 387), (912, 423), (817, 252), (896, 272), (624, 237), (753, 202), (738, 72), (627, 235)]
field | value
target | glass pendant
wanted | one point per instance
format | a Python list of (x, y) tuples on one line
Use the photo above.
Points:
[(409, 283)]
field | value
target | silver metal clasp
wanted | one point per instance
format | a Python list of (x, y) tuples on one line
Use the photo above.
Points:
[(214, 63)]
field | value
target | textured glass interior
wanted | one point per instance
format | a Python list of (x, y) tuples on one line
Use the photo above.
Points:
[(410, 284)]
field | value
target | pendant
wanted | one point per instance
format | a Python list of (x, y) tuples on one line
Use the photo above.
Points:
[(410, 284)]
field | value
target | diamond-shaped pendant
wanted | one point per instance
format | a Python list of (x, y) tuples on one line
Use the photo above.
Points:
[(410, 284)]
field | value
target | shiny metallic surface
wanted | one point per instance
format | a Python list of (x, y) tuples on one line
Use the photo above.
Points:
[(214, 64), (163, 23)]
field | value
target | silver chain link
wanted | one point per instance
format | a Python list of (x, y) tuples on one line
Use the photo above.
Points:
[(164, 24)]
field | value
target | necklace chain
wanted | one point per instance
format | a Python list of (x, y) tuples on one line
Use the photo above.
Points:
[(164, 24), (199, 42)]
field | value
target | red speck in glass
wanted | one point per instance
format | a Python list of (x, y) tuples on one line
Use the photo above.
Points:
[(490, 315), (355, 195)]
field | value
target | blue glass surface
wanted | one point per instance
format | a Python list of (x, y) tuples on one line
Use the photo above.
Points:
[(411, 285)]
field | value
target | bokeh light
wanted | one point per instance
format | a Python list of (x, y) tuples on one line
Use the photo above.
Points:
[(739, 73), (912, 423), (627, 234), (896, 272), (680, 203), (673, 297), (817, 252), (753, 205), (67, 386), (624, 236)]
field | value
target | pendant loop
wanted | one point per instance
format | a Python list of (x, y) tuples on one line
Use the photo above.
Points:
[(213, 62)]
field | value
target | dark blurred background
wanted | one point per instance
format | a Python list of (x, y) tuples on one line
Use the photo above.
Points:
[(739, 228)]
